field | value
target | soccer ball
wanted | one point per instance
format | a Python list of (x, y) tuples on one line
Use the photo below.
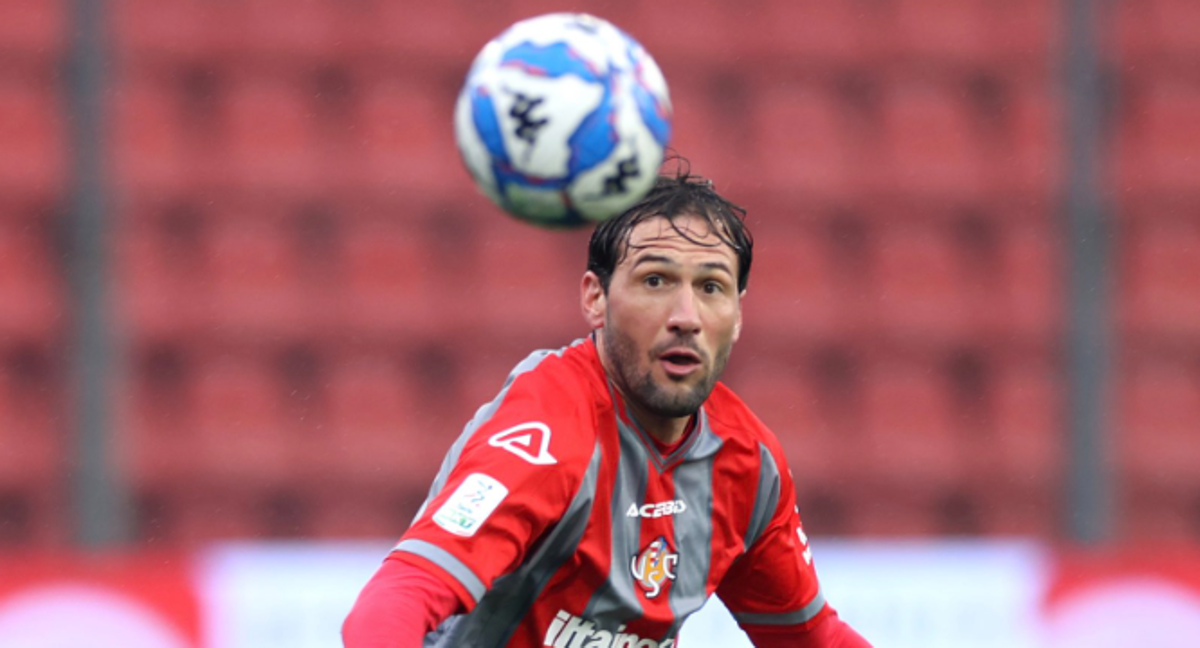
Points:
[(563, 120)]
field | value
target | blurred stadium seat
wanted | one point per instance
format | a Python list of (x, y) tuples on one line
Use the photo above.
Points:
[(407, 135), (810, 35), (804, 141), (1160, 286), (910, 424), (32, 281), (971, 33), (795, 289), (1158, 139), (1156, 34), (33, 31), (33, 160), (1158, 413), (930, 146)]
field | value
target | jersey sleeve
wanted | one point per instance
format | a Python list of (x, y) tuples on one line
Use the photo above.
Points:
[(774, 583), (514, 477)]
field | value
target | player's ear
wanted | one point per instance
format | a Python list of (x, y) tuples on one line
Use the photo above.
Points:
[(737, 325), (593, 300)]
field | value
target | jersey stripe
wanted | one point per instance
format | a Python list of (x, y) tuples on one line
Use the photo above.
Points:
[(616, 601), (693, 532), (482, 416), (446, 561), (766, 499), (502, 609), (803, 615)]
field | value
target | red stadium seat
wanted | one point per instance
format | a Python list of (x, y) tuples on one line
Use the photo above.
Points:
[(440, 35), (1026, 449), (407, 133), (795, 289), (1161, 282), (157, 288), (33, 159), (241, 429), (910, 423), (271, 138), (804, 142), (930, 148), (1026, 300), (31, 281), (149, 33), (702, 35), (1156, 34), (33, 29), (1025, 155), (31, 425), (1158, 146), (974, 33), (527, 282), (374, 436), (923, 284), (254, 282), (1159, 408), (390, 280), (1154, 516), (810, 34), (709, 133), (148, 139), (783, 394)]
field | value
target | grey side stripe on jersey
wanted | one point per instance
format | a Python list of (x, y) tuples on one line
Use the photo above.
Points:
[(766, 499), (616, 601), (500, 611), (803, 615), (483, 415), (446, 561), (693, 533)]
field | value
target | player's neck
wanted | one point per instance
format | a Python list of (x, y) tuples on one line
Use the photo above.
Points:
[(666, 430)]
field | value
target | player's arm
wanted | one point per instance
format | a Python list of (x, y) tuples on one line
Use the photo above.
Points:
[(401, 604), (772, 589), (513, 479)]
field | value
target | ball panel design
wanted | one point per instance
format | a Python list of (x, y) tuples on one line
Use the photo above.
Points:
[(563, 119)]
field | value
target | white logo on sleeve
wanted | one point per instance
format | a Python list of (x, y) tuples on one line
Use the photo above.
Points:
[(529, 441), (472, 502)]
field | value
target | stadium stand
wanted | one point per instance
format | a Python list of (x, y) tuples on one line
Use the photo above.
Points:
[(306, 279)]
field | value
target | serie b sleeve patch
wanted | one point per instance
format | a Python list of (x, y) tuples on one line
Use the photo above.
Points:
[(470, 504)]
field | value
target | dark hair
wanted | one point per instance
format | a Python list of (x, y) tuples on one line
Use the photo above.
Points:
[(673, 196)]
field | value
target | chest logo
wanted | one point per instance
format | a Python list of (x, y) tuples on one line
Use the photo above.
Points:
[(529, 441), (654, 566)]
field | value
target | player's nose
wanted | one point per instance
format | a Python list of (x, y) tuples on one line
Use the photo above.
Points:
[(684, 318)]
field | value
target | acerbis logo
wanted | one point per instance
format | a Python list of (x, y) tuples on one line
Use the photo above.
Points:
[(529, 441), (657, 509), (570, 631)]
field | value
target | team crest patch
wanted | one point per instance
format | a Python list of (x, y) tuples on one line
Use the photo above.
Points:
[(654, 566)]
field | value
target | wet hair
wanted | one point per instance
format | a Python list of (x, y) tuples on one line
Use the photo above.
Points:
[(672, 196)]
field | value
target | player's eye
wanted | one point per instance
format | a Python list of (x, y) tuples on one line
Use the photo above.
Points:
[(653, 281), (713, 287)]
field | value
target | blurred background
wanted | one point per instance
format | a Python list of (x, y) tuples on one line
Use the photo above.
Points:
[(249, 295)]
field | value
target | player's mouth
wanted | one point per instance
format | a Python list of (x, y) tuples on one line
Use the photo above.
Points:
[(679, 362)]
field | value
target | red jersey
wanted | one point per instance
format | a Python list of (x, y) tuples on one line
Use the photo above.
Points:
[(567, 527)]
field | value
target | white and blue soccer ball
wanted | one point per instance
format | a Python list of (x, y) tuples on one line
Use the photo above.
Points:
[(563, 120)]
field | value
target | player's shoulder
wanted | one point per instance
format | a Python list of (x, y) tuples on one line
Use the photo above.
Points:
[(733, 420), (553, 391)]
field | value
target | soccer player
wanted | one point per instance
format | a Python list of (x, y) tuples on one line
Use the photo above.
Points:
[(614, 484)]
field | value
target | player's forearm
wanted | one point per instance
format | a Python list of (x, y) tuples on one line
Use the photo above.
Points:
[(398, 607), (830, 632)]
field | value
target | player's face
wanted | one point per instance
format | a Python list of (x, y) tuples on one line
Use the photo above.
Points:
[(670, 317)]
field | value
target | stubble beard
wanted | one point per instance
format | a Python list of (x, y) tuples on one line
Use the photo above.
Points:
[(641, 386)]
